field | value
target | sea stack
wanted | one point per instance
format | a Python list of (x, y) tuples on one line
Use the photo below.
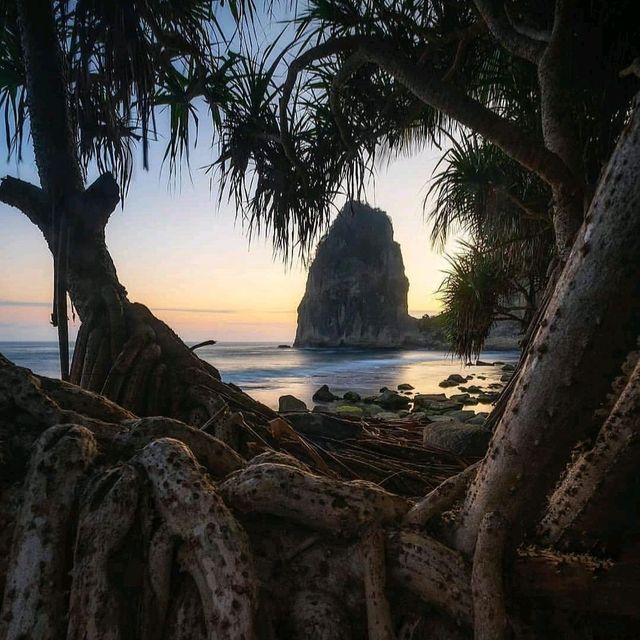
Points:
[(356, 293)]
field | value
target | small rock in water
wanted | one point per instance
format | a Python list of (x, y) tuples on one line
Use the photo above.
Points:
[(383, 389), (498, 363), (369, 399), (424, 400), (509, 367), (405, 386), (284, 346), (505, 377), (324, 395), (456, 377), (481, 363), (352, 396), (392, 400), (448, 383), (290, 403)]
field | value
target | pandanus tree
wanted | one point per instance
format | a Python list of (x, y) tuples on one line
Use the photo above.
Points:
[(121, 526)]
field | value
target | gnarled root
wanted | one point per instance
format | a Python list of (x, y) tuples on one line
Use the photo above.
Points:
[(441, 498), (107, 514), (215, 547), (489, 612), (341, 508), (34, 603), (374, 568)]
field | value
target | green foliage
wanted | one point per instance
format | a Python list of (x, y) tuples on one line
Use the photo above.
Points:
[(475, 290)]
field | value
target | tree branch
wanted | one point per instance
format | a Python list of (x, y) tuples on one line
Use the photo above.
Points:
[(26, 197), (514, 40), (348, 69), (426, 85)]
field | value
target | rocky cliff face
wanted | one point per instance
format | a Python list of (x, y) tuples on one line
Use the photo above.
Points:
[(356, 292)]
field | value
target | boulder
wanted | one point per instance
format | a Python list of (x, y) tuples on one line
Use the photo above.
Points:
[(369, 399), (448, 383), (352, 396), (509, 367), (488, 398), (461, 438), (405, 386), (324, 395), (505, 377), (456, 377), (324, 425), (392, 400), (424, 400), (290, 403)]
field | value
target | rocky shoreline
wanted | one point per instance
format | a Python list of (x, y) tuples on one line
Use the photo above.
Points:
[(451, 421)]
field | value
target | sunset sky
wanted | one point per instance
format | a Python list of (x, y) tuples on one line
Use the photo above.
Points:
[(190, 261)]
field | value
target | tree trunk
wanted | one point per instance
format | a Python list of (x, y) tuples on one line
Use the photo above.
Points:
[(589, 327)]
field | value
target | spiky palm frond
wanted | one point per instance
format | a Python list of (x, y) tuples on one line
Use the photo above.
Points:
[(125, 62)]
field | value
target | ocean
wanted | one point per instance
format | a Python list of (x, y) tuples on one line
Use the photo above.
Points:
[(266, 372)]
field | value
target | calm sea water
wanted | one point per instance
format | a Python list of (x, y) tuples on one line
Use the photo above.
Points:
[(266, 372)]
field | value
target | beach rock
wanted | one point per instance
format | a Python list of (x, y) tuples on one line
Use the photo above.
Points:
[(463, 439), (369, 399), (290, 403), (324, 395), (424, 400), (461, 415), (392, 400), (465, 398), (349, 410), (383, 389), (481, 363), (505, 377), (488, 398), (446, 405), (448, 383), (352, 396), (474, 388), (356, 291), (405, 386), (284, 346), (456, 377), (509, 367), (324, 425), (478, 419)]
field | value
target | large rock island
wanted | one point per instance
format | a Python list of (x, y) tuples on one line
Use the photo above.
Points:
[(356, 292)]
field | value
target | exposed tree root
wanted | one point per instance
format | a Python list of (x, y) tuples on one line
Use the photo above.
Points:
[(379, 620), (489, 611), (215, 548), (592, 504), (122, 513), (34, 604)]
